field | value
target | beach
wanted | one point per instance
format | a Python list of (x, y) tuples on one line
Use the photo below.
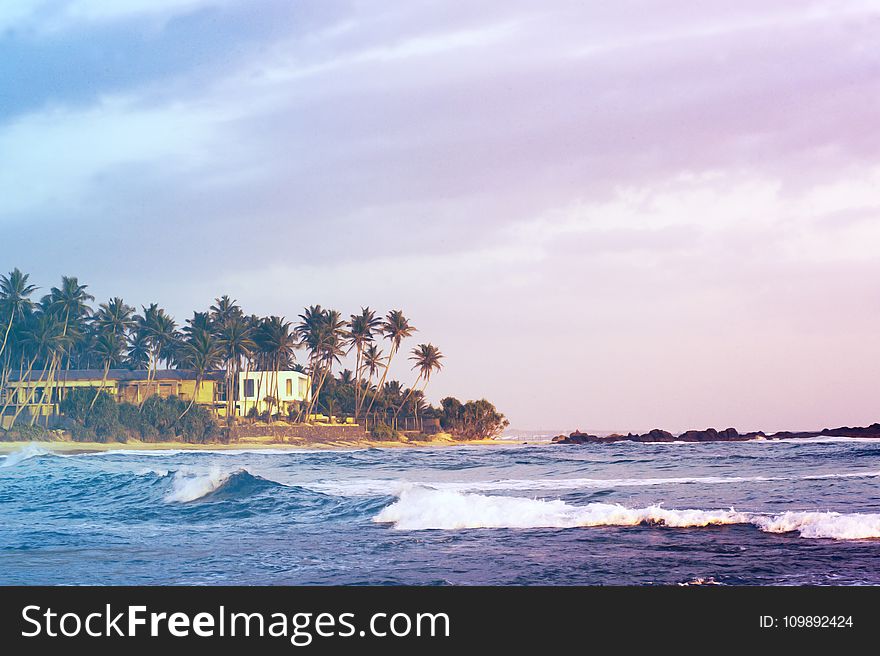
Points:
[(267, 442)]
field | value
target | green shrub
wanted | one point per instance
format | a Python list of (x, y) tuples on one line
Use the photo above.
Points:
[(384, 432), (97, 417), (26, 433), (158, 419)]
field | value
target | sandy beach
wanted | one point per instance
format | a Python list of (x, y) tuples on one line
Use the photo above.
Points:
[(252, 443)]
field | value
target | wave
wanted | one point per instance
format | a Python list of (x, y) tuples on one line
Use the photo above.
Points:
[(422, 509), (187, 486), (32, 450), (373, 487), (838, 526)]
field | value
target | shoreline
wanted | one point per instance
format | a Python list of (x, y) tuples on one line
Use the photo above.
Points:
[(267, 443)]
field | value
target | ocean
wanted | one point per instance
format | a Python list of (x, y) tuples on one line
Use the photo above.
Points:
[(800, 512)]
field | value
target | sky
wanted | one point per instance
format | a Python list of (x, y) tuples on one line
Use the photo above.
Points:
[(608, 216)]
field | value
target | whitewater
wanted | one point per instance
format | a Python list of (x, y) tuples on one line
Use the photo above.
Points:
[(764, 513)]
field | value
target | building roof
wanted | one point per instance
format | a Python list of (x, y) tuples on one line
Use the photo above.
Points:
[(121, 375)]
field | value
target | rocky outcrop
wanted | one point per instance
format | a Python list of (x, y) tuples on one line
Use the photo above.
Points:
[(870, 431), (713, 435)]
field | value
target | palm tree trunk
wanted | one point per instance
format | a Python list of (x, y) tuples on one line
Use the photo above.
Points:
[(20, 378), (408, 394), (48, 387), (8, 328), (357, 381), (101, 388), (193, 399), (29, 392), (384, 375), (320, 386)]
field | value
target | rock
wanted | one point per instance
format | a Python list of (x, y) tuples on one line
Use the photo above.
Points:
[(656, 435), (713, 435), (871, 431)]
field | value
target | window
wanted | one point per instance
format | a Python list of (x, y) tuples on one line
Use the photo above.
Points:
[(289, 388), (249, 388)]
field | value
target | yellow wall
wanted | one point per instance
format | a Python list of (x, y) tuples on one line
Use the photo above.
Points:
[(131, 391)]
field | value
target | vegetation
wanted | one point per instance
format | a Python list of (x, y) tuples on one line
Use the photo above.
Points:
[(471, 420), (101, 419), (43, 338), (384, 432)]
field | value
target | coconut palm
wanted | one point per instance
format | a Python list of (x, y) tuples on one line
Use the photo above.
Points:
[(200, 322), (200, 353), (46, 342), (324, 333), (225, 309), (277, 344), (362, 330), (69, 304), (427, 359), (108, 346), (15, 309), (236, 343), (395, 328), (158, 331), (14, 300), (138, 350), (114, 317), (334, 335)]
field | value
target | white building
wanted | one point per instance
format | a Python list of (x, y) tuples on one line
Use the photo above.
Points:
[(254, 387)]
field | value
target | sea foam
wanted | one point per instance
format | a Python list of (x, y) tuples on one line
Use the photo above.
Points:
[(421, 509), (32, 450), (191, 485)]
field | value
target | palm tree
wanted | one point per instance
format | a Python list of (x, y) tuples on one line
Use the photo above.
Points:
[(277, 344), (371, 365), (395, 328), (362, 328), (309, 332), (138, 350), (108, 347), (234, 337), (225, 309), (201, 353), (158, 332), (334, 335), (427, 360), (114, 317), (46, 341), (324, 333), (69, 304), (14, 300), (15, 308)]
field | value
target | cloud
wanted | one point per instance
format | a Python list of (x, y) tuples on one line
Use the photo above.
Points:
[(667, 193)]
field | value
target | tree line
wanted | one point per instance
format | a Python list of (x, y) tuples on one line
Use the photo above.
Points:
[(44, 337)]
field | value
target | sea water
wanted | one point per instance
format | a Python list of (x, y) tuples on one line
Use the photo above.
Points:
[(763, 512)]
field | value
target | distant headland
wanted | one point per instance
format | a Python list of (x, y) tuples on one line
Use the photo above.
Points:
[(713, 435)]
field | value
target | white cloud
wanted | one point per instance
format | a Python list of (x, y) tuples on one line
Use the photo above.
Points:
[(799, 225), (52, 158)]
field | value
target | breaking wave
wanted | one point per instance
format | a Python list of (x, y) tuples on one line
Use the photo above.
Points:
[(187, 486), (421, 509), (32, 450)]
